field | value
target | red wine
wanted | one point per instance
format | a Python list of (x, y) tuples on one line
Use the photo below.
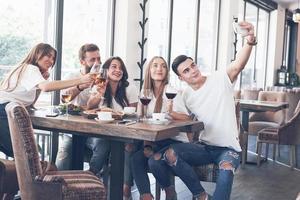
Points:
[(170, 95), (145, 101)]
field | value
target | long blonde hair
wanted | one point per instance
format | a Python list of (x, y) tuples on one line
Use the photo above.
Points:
[(36, 53), (149, 83)]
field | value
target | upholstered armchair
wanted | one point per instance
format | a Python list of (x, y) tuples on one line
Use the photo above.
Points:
[(287, 134), (33, 182), (250, 94), (261, 120)]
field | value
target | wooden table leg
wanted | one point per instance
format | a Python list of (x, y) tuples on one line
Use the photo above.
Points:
[(117, 170), (54, 146), (78, 143)]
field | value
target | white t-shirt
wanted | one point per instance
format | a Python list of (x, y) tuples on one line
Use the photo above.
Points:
[(178, 106), (132, 97), (25, 91), (214, 104), (82, 98)]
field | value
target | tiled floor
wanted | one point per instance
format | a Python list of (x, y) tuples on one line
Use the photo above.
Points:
[(270, 181)]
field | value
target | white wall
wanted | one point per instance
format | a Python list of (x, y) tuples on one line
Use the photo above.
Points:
[(127, 34)]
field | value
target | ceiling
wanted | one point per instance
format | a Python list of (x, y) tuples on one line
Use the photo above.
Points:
[(292, 4)]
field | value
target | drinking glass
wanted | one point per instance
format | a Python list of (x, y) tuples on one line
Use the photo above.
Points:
[(170, 92), (66, 99), (145, 97), (101, 79)]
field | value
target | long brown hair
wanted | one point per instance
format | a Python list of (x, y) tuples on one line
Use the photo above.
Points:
[(120, 95), (149, 83), (36, 53)]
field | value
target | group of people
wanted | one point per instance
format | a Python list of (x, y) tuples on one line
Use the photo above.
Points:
[(208, 98)]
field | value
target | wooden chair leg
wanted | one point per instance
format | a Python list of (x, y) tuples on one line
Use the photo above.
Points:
[(267, 151), (157, 191), (8, 196), (292, 156), (274, 151), (278, 151), (258, 145)]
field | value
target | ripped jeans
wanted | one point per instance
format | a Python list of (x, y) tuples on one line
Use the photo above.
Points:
[(180, 158)]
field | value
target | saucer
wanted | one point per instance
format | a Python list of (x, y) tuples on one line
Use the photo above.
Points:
[(155, 121), (104, 121)]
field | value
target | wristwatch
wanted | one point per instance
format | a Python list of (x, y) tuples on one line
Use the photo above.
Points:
[(79, 88), (253, 42)]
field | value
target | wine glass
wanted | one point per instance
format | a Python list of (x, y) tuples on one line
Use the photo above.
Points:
[(145, 97), (101, 78), (170, 92), (66, 99)]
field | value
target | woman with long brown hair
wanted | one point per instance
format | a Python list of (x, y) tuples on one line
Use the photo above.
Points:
[(156, 80), (116, 94), (24, 83)]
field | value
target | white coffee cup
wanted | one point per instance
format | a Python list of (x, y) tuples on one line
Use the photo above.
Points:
[(104, 115), (129, 110), (159, 116), (239, 30)]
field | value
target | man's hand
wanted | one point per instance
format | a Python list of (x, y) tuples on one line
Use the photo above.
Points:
[(243, 55)]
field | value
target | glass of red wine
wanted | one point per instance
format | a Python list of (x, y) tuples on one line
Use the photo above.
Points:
[(145, 98), (171, 92)]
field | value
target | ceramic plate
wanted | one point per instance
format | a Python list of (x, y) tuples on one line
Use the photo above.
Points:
[(104, 121), (153, 121)]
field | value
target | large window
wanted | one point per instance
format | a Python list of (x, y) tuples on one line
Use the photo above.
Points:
[(177, 27), (158, 28), (84, 22), (254, 74), (26, 23), (23, 25)]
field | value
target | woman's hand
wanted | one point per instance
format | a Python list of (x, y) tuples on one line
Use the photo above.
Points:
[(87, 79), (46, 75)]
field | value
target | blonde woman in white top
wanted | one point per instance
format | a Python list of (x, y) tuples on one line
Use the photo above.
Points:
[(25, 81), (156, 79)]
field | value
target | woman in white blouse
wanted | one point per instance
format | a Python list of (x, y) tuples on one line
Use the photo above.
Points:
[(156, 79), (24, 83)]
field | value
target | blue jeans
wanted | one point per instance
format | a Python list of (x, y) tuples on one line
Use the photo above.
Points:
[(139, 165), (188, 155), (99, 147), (5, 139), (100, 154)]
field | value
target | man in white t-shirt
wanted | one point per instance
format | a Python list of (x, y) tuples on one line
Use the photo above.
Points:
[(210, 99), (90, 59)]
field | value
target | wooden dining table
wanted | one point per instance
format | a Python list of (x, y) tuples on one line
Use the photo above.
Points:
[(81, 128), (247, 106)]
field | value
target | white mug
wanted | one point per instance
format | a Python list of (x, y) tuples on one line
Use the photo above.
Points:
[(104, 115), (159, 116), (239, 30), (129, 110)]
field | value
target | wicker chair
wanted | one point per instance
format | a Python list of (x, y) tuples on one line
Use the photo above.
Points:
[(287, 134), (8, 180), (33, 182)]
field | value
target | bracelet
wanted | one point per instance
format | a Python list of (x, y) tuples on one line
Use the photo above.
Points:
[(79, 88), (253, 43)]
